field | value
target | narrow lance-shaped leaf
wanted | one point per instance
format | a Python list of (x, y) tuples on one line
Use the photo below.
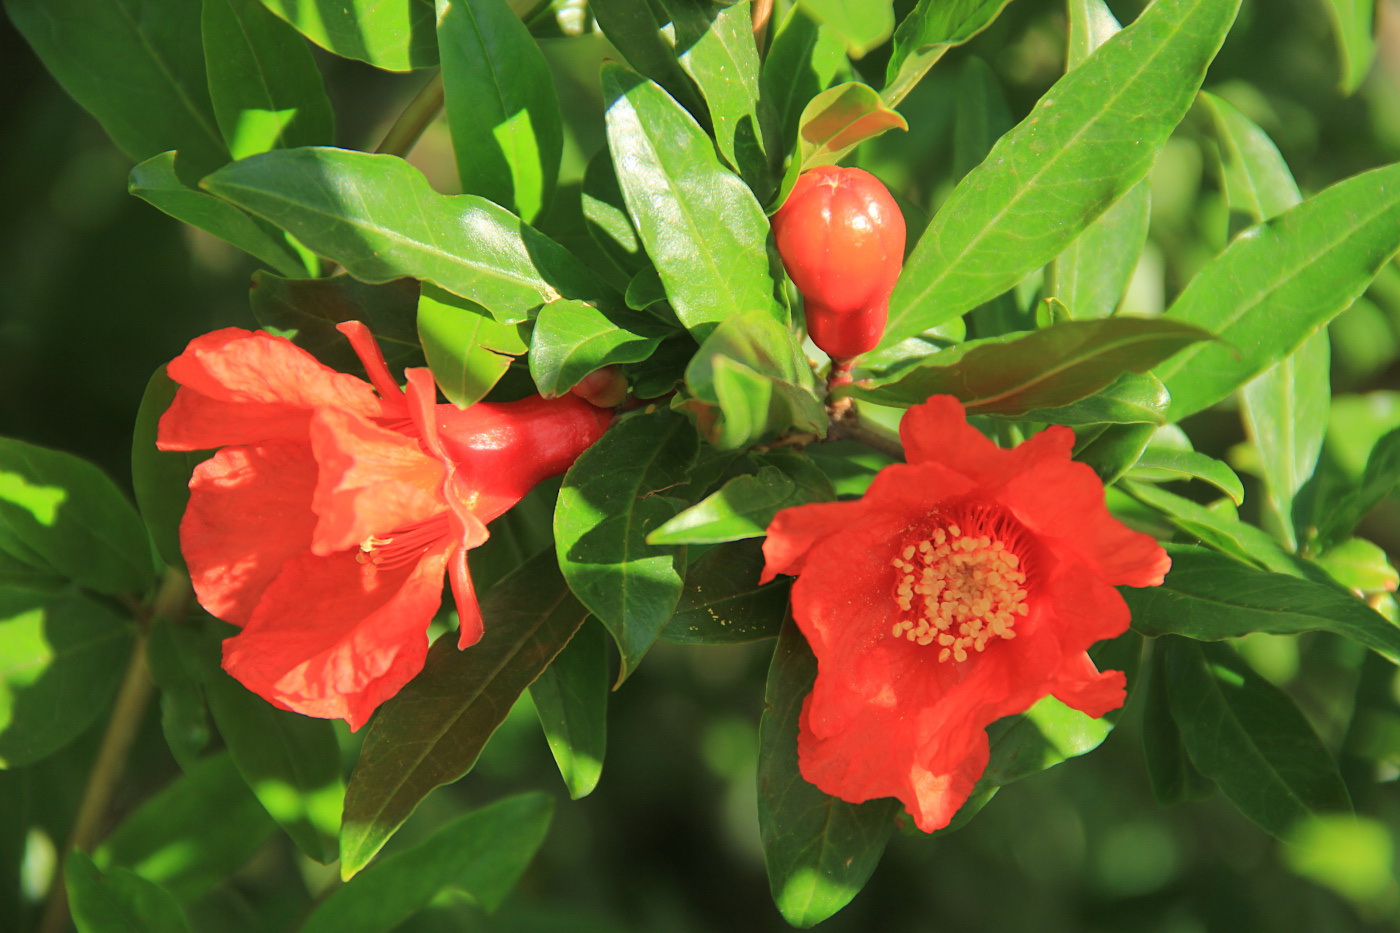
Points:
[(118, 901), (572, 339), (1130, 399), (1248, 736), (266, 89), (744, 506), (1352, 27), (378, 217), (467, 350), (804, 57), (501, 106), (306, 312), (1279, 283), (1092, 273), (396, 35), (837, 120), (930, 29), (1158, 465), (723, 603), (613, 496), (571, 700), (819, 850), (161, 478), (1377, 480), (135, 65), (1089, 139), (431, 733), (701, 225), (863, 24)]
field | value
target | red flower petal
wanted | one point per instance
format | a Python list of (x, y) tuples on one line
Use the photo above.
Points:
[(371, 482), (249, 513), (336, 636), (937, 432), (246, 387)]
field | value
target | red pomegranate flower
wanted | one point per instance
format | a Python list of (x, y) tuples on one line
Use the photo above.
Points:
[(965, 586), (324, 525)]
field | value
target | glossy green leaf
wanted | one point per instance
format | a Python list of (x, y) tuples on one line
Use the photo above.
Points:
[(837, 120), (156, 182), (750, 380), (1248, 736), (501, 105), (1221, 530), (608, 222), (1279, 283), (1090, 139), (377, 216), (118, 902), (723, 603), (1174, 778), (805, 56), (161, 478), (306, 312), (1377, 481), (930, 29), (863, 24), (1045, 735), (1091, 274), (634, 30), (983, 115), (184, 718), (819, 850), (290, 762), (396, 35), (1352, 27), (135, 65), (1158, 466), (645, 290), (1132, 398), (743, 507), (431, 733), (572, 339), (72, 519), (1113, 451), (467, 349), (61, 659), (613, 497), (715, 45), (1258, 183), (1361, 566), (192, 834), (265, 87), (1208, 596), (699, 222), (571, 699), (1047, 368), (482, 853)]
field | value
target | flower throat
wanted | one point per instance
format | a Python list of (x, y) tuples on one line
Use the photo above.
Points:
[(962, 587)]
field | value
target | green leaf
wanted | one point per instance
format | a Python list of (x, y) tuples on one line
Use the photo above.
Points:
[(608, 222), (571, 700), (723, 603), (161, 478), (1351, 25), (1209, 597), (72, 518), (1047, 368), (1087, 142), (1222, 531), (1279, 283), (743, 507), (1157, 465), (118, 902), (60, 663), (750, 380), (290, 762), (266, 89), (839, 119), (1174, 778), (633, 29), (184, 718), (804, 57), (1361, 566), (431, 733), (156, 182), (930, 29), (306, 312), (135, 65), (700, 223), (1132, 398), (193, 834), (1113, 451), (501, 105), (1379, 478), (646, 289), (863, 24), (613, 496), (1045, 735), (467, 349), (1257, 181), (1246, 735), (819, 850), (1091, 274), (396, 35), (482, 853), (572, 339), (377, 216), (715, 45)]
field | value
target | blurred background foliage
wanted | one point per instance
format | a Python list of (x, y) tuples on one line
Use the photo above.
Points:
[(99, 289)]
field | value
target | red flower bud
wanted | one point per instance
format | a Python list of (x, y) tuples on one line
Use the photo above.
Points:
[(841, 237), (605, 387)]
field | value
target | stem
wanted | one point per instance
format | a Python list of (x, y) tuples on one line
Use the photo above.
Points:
[(171, 602), (850, 428), (421, 111)]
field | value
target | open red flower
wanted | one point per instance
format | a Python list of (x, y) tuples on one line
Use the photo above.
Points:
[(325, 524), (964, 586)]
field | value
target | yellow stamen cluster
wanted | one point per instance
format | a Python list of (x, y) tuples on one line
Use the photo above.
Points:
[(959, 590)]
